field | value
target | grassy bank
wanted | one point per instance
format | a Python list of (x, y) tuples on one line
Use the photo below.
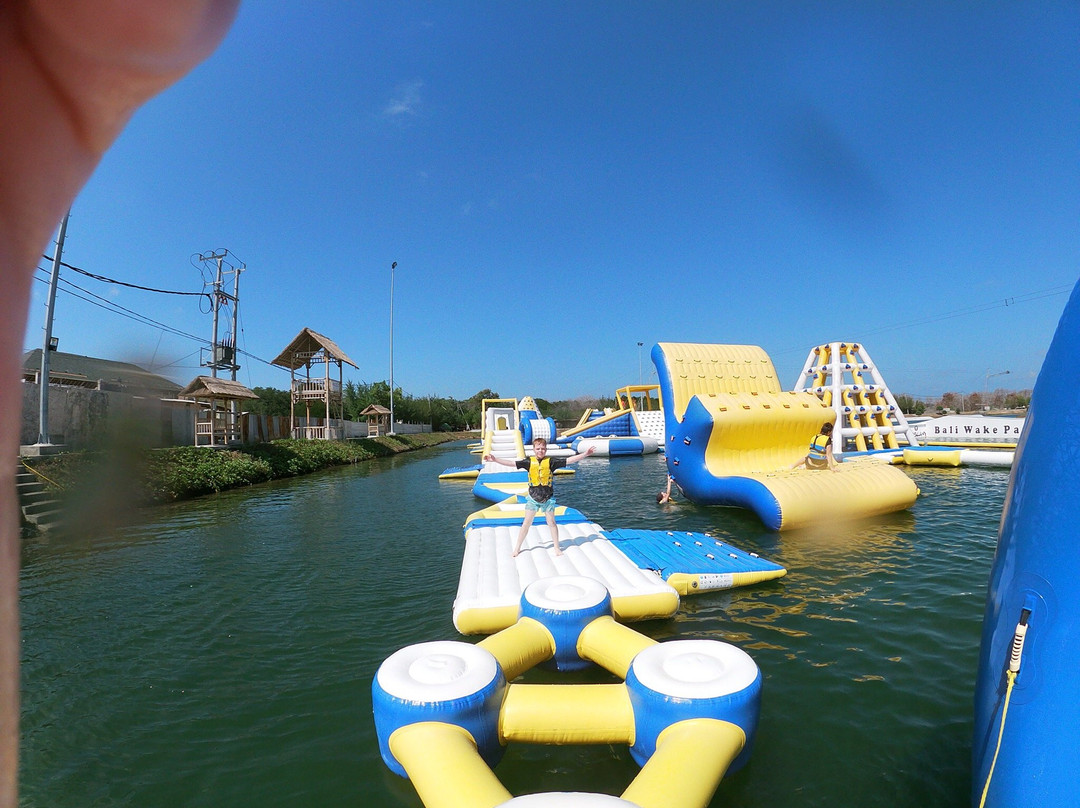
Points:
[(148, 476)]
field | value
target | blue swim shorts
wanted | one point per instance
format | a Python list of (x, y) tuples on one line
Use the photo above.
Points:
[(547, 506)]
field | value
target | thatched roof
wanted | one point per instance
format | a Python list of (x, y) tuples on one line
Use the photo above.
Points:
[(306, 344), (210, 387), (375, 409)]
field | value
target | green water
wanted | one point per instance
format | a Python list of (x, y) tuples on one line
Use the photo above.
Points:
[(221, 652)]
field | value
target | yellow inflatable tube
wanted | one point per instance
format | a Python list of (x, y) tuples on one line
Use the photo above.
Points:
[(569, 714), (445, 767), (932, 457), (695, 754)]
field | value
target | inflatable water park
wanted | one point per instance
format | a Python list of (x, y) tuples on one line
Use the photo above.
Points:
[(686, 709), (558, 592)]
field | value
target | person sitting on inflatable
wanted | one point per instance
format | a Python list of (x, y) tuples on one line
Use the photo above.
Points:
[(820, 455), (541, 496)]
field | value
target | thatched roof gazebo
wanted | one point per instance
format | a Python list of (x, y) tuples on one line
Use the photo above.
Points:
[(309, 349), (217, 421), (378, 419)]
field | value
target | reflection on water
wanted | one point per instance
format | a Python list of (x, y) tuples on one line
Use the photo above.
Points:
[(221, 651)]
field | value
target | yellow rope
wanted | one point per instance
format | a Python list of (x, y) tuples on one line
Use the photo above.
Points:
[(33, 470), (1011, 677)]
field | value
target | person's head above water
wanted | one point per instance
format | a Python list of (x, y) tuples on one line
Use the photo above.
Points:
[(826, 428), (540, 446)]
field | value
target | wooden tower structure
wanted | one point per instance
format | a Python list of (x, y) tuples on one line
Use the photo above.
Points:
[(311, 359)]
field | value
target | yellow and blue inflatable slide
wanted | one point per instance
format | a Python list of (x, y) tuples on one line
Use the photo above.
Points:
[(732, 436)]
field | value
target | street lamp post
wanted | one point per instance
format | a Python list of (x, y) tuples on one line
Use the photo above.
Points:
[(986, 386), (393, 266), (639, 362)]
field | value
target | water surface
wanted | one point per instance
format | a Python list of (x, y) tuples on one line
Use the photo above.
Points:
[(221, 652)]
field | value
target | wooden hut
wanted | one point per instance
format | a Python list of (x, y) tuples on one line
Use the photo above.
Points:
[(311, 359), (217, 417), (378, 419)]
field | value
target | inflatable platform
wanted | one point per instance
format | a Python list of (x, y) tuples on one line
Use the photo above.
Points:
[(645, 571), (733, 435), (1026, 746)]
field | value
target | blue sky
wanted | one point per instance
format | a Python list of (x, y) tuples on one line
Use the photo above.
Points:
[(558, 182)]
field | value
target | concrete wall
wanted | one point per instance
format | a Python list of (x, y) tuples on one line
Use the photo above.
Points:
[(81, 418)]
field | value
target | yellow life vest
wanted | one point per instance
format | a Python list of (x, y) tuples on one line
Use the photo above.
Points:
[(817, 457), (540, 471)]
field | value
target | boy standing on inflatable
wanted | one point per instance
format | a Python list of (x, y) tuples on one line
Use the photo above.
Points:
[(541, 496)]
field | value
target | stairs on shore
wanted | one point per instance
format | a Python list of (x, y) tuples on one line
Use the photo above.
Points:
[(39, 507)]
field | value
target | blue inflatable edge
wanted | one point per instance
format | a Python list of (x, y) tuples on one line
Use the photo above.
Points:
[(570, 517), (685, 444)]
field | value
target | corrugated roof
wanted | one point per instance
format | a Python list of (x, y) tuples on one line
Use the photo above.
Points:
[(310, 342), (123, 376), (209, 387)]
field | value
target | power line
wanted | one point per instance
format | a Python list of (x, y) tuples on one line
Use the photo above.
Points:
[(103, 279), (1002, 303), (115, 308)]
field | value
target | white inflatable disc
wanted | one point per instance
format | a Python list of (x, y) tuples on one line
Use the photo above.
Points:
[(567, 799), (437, 671), (565, 593), (695, 669)]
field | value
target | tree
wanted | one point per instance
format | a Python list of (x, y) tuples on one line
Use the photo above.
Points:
[(271, 401), (910, 405), (906, 403)]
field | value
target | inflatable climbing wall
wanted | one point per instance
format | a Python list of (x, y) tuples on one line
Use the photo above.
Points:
[(843, 375)]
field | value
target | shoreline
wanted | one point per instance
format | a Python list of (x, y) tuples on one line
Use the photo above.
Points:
[(107, 487)]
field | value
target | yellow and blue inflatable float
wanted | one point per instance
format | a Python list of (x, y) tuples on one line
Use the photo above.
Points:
[(687, 709)]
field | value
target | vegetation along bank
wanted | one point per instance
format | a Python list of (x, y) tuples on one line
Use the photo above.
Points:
[(104, 485)]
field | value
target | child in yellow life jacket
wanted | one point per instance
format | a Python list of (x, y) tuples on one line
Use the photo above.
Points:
[(820, 455), (541, 496)]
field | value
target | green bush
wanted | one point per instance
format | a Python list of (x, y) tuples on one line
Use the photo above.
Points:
[(164, 475)]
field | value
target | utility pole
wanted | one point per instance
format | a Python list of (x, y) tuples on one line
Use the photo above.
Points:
[(48, 344), (223, 353)]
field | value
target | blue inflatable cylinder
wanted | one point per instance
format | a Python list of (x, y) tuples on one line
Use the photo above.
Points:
[(535, 427), (625, 446), (683, 679), (449, 682), (564, 606)]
